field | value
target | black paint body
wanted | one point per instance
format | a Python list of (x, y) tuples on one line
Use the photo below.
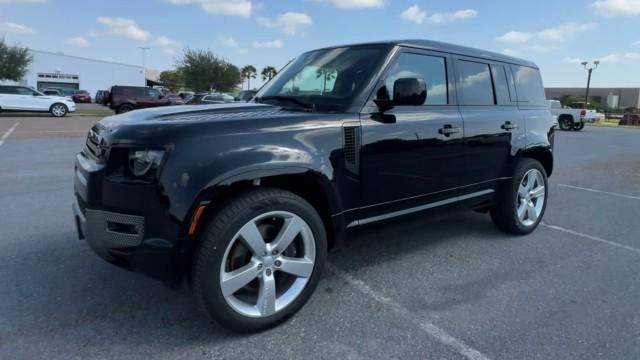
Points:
[(358, 168)]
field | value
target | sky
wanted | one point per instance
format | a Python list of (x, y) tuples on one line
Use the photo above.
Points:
[(556, 35)]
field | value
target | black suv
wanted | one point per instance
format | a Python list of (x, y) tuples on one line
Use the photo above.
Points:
[(244, 200)]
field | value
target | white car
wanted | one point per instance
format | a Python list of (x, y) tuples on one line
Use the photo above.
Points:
[(22, 98)]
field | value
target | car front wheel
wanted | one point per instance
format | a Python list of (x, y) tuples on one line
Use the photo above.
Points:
[(58, 110), (522, 201), (260, 259)]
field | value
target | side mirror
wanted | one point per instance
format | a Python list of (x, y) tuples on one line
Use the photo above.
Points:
[(409, 91)]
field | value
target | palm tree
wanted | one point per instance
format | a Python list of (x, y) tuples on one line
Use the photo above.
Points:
[(268, 73), (326, 74), (248, 72)]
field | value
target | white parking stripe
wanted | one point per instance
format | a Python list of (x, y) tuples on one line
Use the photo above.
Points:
[(600, 192), (627, 173), (427, 327), (7, 133), (591, 237)]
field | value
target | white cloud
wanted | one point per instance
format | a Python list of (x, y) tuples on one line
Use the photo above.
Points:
[(166, 42), (610, 59), (289, 22), (572, 60), (610, 8), (441, 18), (414, 14), (275, 44), (126, 28), (515, 37), (221, 7), (78, 41), (11, 27), (169, 51), (510, 52), (632, 56), (563, 32), (22, 2), (358, 4), (229, 42)]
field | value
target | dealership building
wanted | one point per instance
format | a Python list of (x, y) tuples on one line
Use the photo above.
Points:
[(615, 98), (59, 70)]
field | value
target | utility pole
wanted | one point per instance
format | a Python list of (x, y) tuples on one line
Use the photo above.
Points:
[(590, 69), (144, 67)]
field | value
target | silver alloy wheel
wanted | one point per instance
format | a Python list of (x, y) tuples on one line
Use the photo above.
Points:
[(58, 110), (290, 254), (530, 199)]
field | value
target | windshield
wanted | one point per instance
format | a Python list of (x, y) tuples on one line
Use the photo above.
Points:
[(325, 80)]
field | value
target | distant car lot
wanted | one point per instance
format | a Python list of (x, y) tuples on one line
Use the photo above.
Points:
[(446, 288)]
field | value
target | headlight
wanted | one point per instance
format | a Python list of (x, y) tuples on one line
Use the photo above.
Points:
[(143, 161)]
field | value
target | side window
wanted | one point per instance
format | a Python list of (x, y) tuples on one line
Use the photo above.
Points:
[(528, 85), (500, 82), (6, 90), (432, 69), (474, 83), (154, 93), (24, 91)]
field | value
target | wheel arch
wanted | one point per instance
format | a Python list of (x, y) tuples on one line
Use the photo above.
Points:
[(541, 154)]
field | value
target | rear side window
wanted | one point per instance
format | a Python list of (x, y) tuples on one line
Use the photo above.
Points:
[(528, 85), (7, 90), (500, 84), (474, 83), (129, 91), (432, 69)]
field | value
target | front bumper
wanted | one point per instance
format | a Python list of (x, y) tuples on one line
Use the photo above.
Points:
[(126, 224)]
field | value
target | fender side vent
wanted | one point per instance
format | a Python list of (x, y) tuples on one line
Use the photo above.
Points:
[(351, 146)]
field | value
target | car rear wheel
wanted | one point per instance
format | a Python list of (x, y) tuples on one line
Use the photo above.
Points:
[(259, 260), (124, 108), (522, 201), (58, 110), (578, 126)]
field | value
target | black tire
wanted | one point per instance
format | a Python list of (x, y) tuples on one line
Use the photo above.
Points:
[(124, 108), (58, 110), (566, 123), (217, 236), (504, 214), (578, 126)]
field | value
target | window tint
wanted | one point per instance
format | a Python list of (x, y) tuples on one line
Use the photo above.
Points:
[(24, 91), (7, 90), (500, 83), (528, 85), (432, 69), (130, 91), (474, 83)]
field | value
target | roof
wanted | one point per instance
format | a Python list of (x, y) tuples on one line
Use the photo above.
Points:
[(448, 48)]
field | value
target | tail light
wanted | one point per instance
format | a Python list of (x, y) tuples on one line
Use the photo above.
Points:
[(583, 113)]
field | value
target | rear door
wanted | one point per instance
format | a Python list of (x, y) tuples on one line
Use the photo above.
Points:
[(493, 125), (414, 161), (9, 97)]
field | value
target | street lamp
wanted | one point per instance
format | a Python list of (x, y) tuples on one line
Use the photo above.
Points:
[(144, 68), (590, 69)]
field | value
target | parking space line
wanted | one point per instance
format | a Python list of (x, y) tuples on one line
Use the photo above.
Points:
[(427, 327), (591, 237), (600, 192), (627, 173), (7, 133)]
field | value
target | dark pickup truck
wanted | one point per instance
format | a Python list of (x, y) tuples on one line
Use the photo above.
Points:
[(243, 201)]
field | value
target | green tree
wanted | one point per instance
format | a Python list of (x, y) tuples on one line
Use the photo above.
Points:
[(268, 72), (172, 80), (14, 62), (248, 72), (577, 102), (202, 70)]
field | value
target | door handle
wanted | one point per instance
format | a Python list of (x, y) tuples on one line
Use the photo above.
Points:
[(508, 125), (448, 130)]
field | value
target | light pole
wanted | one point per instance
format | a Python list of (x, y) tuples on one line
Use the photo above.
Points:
[(590, 69), (144, 67)]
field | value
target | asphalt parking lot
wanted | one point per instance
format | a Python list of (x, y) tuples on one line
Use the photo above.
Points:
[(447, 288)]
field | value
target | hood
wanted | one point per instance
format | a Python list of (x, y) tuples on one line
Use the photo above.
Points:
[(197, 113)]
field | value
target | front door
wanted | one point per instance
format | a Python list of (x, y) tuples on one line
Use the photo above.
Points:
[(416, 160)]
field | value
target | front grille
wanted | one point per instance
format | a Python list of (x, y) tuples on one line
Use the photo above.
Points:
[(95, 147)]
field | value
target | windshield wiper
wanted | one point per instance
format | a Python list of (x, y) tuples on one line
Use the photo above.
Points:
[(291, 99)]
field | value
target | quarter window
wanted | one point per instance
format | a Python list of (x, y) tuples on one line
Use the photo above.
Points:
[(474, 83), (432, 69), (528, 85)]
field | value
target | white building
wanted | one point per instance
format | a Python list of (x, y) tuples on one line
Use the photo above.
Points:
[(77, 73)]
